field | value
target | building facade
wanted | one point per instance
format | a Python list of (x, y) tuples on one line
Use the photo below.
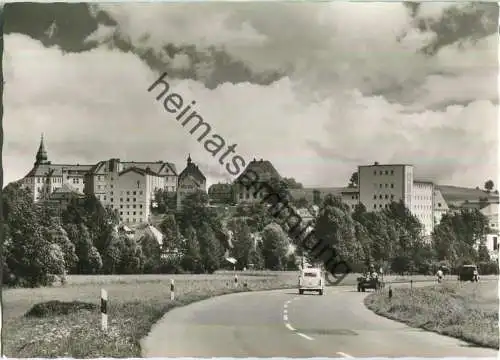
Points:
[(423, 205), (379, 185), (260, 173), (125, 186), (350, 197), (44, 178), (440, 206), (491, 213), (191, 179)]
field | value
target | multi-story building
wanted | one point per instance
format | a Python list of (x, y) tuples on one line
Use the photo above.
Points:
[(379, 185), (491, 213), (350, 197), (259, 173), (440, 206), (44, 178), (423, 204), (191, 179), (127, 187)]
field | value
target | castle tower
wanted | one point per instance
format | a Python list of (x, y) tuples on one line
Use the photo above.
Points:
[(41, 155)]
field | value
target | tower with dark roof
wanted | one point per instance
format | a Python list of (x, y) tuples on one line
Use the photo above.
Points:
[(41, 155), (191, 179)]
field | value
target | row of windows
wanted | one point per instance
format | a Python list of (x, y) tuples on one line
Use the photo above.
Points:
[(129, 220), (382, 196), (380, 186), (129, 212), (382, 172), (133, 206)]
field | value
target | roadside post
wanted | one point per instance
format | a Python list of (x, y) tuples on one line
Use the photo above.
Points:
[(233, 261), (104, 310), (172, 290)]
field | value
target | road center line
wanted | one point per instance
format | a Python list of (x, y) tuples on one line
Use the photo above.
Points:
[(285, 317), (305, 336), (345, 355), (289, 327)]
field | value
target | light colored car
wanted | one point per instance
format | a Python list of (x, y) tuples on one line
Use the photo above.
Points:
[(311, 279)]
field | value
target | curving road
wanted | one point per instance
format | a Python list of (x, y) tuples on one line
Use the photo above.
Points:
[(282, 324)]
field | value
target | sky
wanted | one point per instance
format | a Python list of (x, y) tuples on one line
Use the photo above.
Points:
[(318, 90)]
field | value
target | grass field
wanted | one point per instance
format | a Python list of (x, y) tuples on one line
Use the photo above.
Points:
[(468, 311), (135, 303)]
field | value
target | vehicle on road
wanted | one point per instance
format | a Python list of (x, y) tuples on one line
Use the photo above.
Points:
[(468, 273), (311, 279), (368, 282)]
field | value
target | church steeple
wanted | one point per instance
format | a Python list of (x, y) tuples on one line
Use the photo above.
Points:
[(41, 155), (189, 159)]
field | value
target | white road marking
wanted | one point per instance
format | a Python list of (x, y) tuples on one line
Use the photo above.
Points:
[(289, 327), (305, 336), (285, 311), (285, 317), (345, 355)]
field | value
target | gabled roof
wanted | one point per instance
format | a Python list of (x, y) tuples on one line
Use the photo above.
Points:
[(263, 168), (137, 170), (57, 169), (157, 167), (193, 170)]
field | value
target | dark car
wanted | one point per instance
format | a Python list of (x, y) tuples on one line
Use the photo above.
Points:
[(367, 282), (468, 273)]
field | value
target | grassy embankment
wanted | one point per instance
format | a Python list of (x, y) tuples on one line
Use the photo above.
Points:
[(467, 311), (135, 303)]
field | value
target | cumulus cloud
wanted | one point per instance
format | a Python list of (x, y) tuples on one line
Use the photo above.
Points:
[(353, 88)]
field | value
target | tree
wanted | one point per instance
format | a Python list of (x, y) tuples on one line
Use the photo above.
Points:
[(354, 180), (89, 259), (211, 250), (172, 238), (489, 185), (274, 247), (151, 251), (132, 258), (255, 258), (316, 197), (301, 203), (60, 237), (292, 183), (242, 242), (31, 257), (191, 259), (112, 255)]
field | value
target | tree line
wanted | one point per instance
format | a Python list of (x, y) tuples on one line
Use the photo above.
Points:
[(84, 239)]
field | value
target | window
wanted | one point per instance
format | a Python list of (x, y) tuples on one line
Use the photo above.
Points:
[(386, 185), (121, 199), (140, 212), (381, 186), (374, 206), (128, 192), (111, 193), (392, 186), (381, 172), (134, 212), (140, 192), (135, 192), (111, 199), (392, 172), (140, 206), (495, 243), (135, 199), (121, 212), (121, 206), (375, 173), (387, 172), (104, 197), (380, 196), (128, 199), (386, 196)]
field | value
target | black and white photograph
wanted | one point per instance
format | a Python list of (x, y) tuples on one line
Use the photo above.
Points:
[(250, 179)]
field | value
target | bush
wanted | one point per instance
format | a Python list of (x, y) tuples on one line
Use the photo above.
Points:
[(56, 307)]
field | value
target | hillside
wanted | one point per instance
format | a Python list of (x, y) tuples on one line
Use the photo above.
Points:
[(457, 194)]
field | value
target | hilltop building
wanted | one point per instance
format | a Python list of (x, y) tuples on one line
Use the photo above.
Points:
[(125, 186), (259, 172), (191, 179)]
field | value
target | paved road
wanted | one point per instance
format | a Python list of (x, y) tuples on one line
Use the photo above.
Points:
[(282, 324)]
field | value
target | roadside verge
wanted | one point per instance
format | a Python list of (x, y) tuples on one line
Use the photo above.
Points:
[(467, 311)]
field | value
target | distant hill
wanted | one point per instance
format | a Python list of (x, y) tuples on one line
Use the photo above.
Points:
[(456, 194)]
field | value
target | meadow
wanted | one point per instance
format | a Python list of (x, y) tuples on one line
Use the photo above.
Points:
[(465, 310), (135, 303)]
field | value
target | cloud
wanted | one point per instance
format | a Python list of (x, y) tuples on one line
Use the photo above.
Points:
[(353, 89)]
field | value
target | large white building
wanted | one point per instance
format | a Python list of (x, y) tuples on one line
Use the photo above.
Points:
[(491, 213), (127, 187), (379, 185)]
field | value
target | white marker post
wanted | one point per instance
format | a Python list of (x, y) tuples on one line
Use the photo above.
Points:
[(104, 310), (172, 290), (235, 280)]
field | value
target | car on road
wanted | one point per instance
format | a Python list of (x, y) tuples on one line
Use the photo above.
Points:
[(367, 282), (468, 273), (311, 279)]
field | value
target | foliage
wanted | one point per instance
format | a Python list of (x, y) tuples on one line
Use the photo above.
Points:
[(242, 242), (354, 180), (489, 185), (274, 247)]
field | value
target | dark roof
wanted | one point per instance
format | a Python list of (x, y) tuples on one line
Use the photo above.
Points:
[(193, 170), (264, 169), (138, 170), (57, 169), (157, 167), (308, 193), (220, 188)]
